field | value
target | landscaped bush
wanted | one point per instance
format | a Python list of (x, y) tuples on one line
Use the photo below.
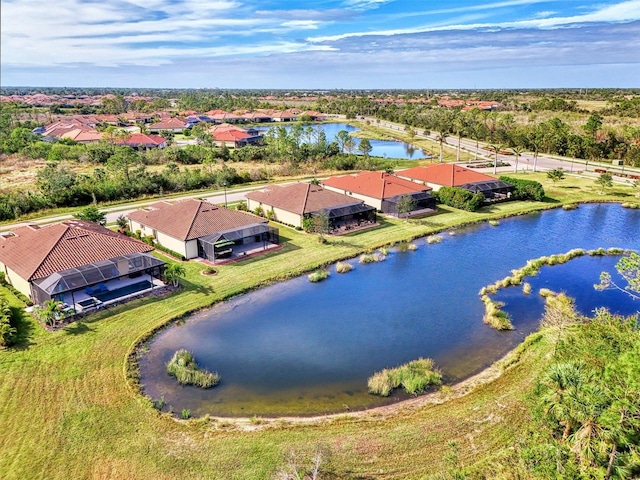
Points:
[(184, 367), (415, 377), (525, 189), (7, 330), (459, 198), (164, 249), (318, 276)]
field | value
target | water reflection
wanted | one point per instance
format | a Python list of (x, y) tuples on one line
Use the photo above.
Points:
[(302, 348)]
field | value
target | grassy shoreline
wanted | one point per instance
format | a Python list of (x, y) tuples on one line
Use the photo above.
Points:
[(70, 403)]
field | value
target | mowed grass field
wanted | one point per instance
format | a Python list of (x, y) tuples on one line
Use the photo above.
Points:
[(70, 409)]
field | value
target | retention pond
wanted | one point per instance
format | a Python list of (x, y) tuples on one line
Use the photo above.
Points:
[(298, 348)]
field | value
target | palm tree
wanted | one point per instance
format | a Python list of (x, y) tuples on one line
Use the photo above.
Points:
[(517, 151), (174, 273), (50, 312), (442, 137), (496, 148)]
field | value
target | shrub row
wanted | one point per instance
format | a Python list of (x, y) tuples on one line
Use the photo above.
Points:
[(460, 198), (525, 189)]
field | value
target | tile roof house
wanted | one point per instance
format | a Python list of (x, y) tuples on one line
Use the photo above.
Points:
[(171, 124), (66, 259), (291, 204), (234, 137), (142, 141), (383, 191), (452, 175), (195, 228)]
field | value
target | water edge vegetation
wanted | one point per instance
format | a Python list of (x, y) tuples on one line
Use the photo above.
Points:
[(125, 437)]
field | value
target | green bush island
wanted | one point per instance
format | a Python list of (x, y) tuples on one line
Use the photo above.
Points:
[(415, 377), (184, 367)]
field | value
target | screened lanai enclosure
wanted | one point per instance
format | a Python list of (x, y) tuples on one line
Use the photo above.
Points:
[(100, 282), (238, 242), (347, 217), (493, 190), (424, 203)]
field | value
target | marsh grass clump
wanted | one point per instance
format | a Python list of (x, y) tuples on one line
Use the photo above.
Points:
[(415, 377), (630, 205), (406, 246), (371, 257), (526, 288), (598, 252), (184, 367), (494, 316), (384, 251), (545, 292), (343, 267), (569, 206), (318, 276), (433, 239), (494, 223)]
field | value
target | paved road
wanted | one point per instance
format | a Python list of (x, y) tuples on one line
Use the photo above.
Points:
[(527, 162)]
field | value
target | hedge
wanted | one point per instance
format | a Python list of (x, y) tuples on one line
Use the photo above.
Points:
[(460, 198), (525, 189)]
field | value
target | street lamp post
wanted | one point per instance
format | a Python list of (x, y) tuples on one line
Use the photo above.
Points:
[(224, 184)]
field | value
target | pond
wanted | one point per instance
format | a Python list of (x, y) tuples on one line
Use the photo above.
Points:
[(298, 348), (379, 148)]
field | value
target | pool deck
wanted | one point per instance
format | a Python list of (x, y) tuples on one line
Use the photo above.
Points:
[(82, 295)]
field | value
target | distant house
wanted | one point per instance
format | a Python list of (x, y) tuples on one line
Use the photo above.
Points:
[(383, 191), (233, 136), (256, 117), (221, 116), (452, 175), (195, 228), (284, 116), (142, 141), (80, 263), (171, 124), (291, 204)]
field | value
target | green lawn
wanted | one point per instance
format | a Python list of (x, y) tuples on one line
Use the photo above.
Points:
[(69, 407)]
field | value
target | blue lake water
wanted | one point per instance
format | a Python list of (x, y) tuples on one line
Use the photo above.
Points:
[(379, 148), (298, 348)]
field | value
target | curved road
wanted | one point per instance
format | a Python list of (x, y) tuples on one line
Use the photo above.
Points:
[(527, 162)]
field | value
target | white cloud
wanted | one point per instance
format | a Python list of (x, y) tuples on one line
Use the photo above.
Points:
[(365, 4), (623, 12)]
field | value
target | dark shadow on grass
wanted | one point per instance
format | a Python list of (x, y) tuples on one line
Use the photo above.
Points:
[(78, 328), (25, 327)]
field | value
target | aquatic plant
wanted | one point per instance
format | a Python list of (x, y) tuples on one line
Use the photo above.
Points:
[(343, 267), (184, 367), (371, 257), (495, 316), (494, 223), (432, 239), (415, 377), (318, 276)]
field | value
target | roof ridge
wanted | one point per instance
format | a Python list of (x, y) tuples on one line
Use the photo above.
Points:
[(306, 197), (195, 215), (53, 246)]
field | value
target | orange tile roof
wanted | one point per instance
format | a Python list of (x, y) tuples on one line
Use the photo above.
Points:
[(447, 174), (378, 185), (37, 252), (189, 219), (301, 198), (169, 124)]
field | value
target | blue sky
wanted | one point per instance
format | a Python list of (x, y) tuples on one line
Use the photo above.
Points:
[(321, 44)]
